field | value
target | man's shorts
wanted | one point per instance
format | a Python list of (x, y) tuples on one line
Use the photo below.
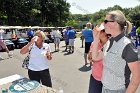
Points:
[(56, 40), (71, 42), (87, 46)]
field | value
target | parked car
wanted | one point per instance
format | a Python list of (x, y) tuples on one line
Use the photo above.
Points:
[(20, 42), (10, 45)]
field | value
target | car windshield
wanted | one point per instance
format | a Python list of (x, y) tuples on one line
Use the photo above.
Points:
[(22, 39), (8, 42)]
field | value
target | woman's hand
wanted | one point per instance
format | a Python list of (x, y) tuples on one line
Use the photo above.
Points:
[(33, 39), (49, 55), (25, 49), (96, 33)]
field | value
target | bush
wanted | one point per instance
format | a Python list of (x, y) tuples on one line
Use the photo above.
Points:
[(138, 30)]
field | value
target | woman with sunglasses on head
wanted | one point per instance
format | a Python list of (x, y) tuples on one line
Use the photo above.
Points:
[(40, 54), (95, 56), (120, 57)]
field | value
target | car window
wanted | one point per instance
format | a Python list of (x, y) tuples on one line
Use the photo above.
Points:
[(22, 39), (7, 42)]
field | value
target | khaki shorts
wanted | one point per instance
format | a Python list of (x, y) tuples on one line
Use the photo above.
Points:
[(56, 40), (71, 42)]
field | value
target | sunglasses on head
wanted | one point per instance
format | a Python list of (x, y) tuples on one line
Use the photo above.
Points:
[(106, 21)]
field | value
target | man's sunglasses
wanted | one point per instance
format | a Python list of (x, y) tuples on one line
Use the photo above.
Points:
[(106, 21)]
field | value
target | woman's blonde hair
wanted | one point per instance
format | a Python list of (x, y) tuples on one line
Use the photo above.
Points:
[(120, 18), (42, 34)]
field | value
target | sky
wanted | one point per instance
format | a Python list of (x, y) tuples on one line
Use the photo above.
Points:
[(92, 6)]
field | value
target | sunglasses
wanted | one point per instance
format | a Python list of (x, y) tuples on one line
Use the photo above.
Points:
[(108, 35), (103, 30), (106, 21)]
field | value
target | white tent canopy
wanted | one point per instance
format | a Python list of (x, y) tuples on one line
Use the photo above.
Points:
[(26, 27)]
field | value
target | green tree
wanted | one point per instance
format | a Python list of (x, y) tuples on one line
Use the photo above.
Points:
[(34, 12), (17, 11), (134, 15), (72, 23), (54, 12), (138, 30)]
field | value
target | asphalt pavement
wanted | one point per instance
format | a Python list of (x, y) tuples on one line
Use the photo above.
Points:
[(67, 70)]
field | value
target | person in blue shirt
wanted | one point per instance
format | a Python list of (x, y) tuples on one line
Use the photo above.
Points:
[(65, 31), (133, 32), (30, 34), (88, 36), (71, 36)]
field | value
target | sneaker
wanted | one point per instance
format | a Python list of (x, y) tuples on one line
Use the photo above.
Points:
[(1, 58), (72, 51), (65, 50)]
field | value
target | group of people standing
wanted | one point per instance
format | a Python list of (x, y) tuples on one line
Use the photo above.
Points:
[(113, 57), (69, 35)]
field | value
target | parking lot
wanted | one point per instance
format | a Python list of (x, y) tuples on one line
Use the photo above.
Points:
[(67, 71)]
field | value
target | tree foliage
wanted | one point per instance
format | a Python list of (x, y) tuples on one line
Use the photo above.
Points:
[(72, 23), (138, 30), (34, 12), (54, 13), (132, 14)]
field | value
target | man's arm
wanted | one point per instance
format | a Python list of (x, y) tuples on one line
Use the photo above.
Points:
[(135, 80)]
